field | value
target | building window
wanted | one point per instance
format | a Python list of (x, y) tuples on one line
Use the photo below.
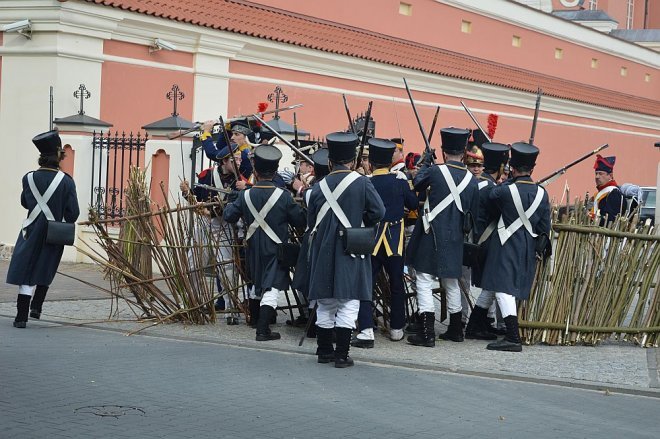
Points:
[(516, 41), (624, 71), (630, 14), (466, 27), (593, 5), (594, 63), (405, 9), (559, 53), (647, 77)]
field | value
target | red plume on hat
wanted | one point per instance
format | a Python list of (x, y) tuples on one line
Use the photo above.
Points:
[(492, 125), (261, 107)]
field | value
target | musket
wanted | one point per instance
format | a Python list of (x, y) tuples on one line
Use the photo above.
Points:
[(176, 134), (286, 142), (476, 122), (348, 114), (364, 133), (419, 122), (550, 178), (435, 119), (213, 188), (51, 109), (536, 115), (231, 153), (295, 136)]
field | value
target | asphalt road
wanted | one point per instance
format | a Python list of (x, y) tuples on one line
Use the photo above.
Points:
[(71, 382)]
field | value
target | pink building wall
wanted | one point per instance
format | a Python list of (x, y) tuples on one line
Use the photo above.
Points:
[(134, 95), (439, 25)]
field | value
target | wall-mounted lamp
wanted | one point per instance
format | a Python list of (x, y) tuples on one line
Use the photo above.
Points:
[(159, 44), (23, 27)]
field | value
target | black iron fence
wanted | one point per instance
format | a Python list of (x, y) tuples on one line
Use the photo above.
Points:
[(112, 158)]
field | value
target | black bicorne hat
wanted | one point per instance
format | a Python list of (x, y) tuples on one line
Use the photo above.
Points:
[(266, 158), (381, 151), (341, 146), (454, 140), (523, 154), (48, 143), (495, 155), (320, 159)]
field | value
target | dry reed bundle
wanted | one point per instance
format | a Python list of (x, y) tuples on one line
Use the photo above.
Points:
[(600, 282), (160, 235)]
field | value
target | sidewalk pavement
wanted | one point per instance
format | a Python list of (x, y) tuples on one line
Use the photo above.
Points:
[(618, 367)]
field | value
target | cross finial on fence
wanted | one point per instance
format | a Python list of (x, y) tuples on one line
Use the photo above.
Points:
[(278, 97), (82, 93), (175, 94)]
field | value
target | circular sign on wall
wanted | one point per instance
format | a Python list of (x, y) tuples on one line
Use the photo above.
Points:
[(571, 3)]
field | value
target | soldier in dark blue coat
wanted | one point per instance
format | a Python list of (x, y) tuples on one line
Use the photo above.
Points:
[(240, 138), (522, 234), (49, 195), (267, 212), (609, 201), (496, 156), (388, 253), (435, 249), (339, 280), (300, 281)]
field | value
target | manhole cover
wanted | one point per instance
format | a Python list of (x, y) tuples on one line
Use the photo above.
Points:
[(114, 411)]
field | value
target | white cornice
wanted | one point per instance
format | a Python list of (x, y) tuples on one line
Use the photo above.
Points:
[(538, 21)]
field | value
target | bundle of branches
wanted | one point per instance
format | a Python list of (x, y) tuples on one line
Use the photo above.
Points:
[(600, 282), (181, 246)]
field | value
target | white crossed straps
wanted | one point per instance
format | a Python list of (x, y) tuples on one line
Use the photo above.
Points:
[(331, 200), (523, 215), (42, 200), (260, 216), (453, 197)]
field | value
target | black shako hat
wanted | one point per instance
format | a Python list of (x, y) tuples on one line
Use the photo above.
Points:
[(495, 155), (454, 140), (48, 143), (320, 159), (266, 158), (523, 154), (381, 151), (478, 137), (341, 146)]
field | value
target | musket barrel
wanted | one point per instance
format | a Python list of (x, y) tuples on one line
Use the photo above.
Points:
[(419, 122), (279, 136), (546, 180), (476, 122)]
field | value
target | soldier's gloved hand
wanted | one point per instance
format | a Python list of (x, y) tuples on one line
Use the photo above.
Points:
[(428, 158)]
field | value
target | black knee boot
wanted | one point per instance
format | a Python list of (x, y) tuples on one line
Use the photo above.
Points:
[(511, 341), (22, 310), (254, 305), (263, 331), (343, 345), (477, 325), (38, 301), (324, 348), (427, 335), (455, 329)]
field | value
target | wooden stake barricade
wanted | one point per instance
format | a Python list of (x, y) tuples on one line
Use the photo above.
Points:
[(600, 283)]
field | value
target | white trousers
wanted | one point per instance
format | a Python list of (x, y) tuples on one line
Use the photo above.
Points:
[(466, 283), (424, 283), (506, 302), (270, 297), (26, 290), (335, 312)]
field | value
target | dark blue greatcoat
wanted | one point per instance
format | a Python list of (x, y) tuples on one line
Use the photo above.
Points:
[(333, 273), (510, 267), (265, 270), (34, 262), (211, 149), (440, 252), (610, 206), (486, 184)]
